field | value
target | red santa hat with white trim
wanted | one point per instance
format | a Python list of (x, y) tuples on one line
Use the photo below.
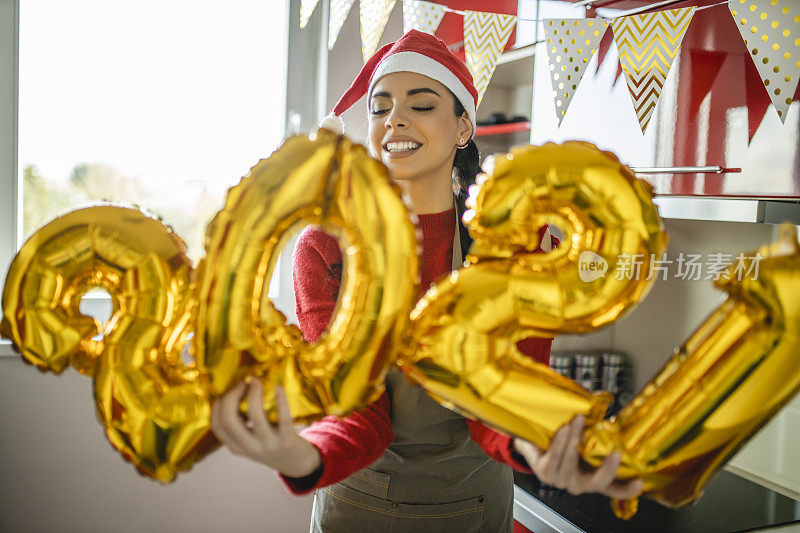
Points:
[(418, 52)]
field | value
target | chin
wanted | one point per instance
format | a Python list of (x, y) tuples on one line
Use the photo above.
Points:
[(400, 172)]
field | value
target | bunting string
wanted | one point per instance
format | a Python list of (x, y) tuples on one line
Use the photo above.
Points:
[(647, 39), (523, 19)]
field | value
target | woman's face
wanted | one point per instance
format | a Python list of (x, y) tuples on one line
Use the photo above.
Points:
[(413, 128)]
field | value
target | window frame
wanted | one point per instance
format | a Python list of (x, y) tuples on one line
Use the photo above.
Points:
[(9, 106), (303, 106)]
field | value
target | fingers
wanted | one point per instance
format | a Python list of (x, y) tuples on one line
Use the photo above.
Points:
[(219, 417), (285, 423), (549, 464), (623, 491), (255, 414), (603, 477), (603, 480), (529, 452), (560, 465), (225, 419), (569, 469)]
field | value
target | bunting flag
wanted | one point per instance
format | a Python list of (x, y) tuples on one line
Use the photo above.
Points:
[(485, 36), (422, 16), (306, 10), (374, 15), (647, 44), (570, 45), (771, 33), (339, 11)]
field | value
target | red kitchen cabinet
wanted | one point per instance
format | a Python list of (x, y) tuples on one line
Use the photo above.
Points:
[(714, 110)]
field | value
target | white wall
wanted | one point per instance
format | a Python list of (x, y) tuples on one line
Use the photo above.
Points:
[(671, 312), (674, 308), (59, 473)]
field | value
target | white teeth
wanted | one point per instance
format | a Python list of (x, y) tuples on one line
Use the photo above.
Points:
[(402, 146)]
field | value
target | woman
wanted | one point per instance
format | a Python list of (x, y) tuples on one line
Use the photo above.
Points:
[(405, 463)]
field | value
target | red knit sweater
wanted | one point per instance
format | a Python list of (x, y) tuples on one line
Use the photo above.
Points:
[(351, 443)]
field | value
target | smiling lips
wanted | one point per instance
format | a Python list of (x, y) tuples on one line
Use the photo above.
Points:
[(401, 148)]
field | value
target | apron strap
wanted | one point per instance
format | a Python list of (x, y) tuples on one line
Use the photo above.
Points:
[(456, 261)]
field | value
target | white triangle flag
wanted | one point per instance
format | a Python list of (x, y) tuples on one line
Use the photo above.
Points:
[(339, 11), (771, 33), (570, 46), (422, 16), (485, 36), (374, 15)]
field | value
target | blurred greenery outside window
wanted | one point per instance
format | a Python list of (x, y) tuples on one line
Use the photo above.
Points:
[(159, 104)]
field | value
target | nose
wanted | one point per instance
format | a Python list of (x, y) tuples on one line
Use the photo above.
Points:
[(396, 119)]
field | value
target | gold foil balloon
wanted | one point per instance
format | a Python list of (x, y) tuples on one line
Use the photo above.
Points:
[(464, 331), (156, 409), (153, 407), (719, 388), (330, 181)]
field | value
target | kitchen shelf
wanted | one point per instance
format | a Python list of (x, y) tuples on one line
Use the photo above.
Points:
[(497, 129), (758, 210), (514, 67)]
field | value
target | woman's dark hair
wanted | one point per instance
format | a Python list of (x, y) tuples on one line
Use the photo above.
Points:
[(467, 162)]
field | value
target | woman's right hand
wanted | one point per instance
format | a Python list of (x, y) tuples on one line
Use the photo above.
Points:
[(277, 446), (561, 465)]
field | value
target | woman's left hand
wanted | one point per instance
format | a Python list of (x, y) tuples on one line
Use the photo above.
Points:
[(560, 466)]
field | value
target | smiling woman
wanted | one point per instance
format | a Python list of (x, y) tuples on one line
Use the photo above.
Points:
[(406, 463)]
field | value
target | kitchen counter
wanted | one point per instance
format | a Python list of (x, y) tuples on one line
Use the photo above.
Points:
[(730, 504)]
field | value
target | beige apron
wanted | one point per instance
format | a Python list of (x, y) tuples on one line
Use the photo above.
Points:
[(432, 477)]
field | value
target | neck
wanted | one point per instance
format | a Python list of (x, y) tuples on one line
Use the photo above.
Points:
[(428, 194)]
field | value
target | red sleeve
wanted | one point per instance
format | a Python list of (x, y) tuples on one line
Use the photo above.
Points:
[(316, 272), (348, 444)]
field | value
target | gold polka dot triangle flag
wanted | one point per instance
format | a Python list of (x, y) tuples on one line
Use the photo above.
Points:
[(771, 32), (570, 45), (647, 44), (374, 15), (485, 36), (339, 11), (306, 10), (421, 16)]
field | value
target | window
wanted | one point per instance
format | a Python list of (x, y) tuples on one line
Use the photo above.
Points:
[(161, 104)]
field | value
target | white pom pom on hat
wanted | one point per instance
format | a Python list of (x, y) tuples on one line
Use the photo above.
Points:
[(417, 52), (333, 123)]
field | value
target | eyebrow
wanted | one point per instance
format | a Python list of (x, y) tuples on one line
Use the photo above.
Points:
[(410, 93)]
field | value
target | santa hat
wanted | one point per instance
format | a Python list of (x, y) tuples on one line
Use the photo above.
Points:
[(414, 52)]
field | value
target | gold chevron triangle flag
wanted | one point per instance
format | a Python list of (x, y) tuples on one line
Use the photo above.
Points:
[(306, 10), (647, 44), (339, 11), (485, 36), (771, 32), (570, 46), (422, 16), (374, 15)]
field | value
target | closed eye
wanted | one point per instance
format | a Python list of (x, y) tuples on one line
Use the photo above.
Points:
[(422, 108)]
